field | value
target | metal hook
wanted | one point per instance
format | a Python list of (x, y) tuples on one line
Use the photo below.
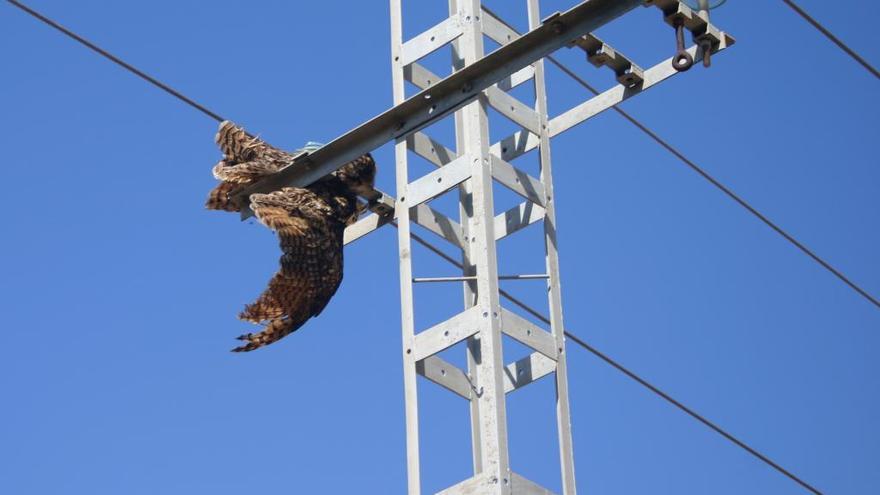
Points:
[(706, 47), (478, 393), (682, 60)]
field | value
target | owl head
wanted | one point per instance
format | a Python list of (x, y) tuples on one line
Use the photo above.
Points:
[(359, 175)]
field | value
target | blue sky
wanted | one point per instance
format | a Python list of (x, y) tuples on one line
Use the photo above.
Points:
[(120, 292)]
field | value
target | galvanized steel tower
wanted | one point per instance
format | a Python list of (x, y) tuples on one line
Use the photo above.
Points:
[(478, 82)]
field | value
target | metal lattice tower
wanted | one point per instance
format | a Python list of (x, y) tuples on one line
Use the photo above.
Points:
[(478, 82), (472, 167)]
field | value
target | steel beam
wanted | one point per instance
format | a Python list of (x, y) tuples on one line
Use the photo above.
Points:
[(446, 375), (528, 333), (448, 95), (527, 370), (619, 93), (554, 293), (516, 219)]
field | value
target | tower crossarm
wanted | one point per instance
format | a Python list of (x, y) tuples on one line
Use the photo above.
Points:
[(448, 95)]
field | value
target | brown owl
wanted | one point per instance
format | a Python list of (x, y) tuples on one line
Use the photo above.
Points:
[(309, 221)]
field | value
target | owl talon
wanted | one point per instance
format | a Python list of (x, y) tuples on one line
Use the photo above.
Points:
[(246, 336)]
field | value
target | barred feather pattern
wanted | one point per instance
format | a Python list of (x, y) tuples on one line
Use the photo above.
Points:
[(245, 160), (311, 264), (310, 223)]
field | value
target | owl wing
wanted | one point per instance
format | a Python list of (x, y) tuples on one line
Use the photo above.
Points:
[(245, 160), (239, 147), (311, 263)]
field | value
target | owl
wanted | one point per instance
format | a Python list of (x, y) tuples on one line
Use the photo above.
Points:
[(309, 222)]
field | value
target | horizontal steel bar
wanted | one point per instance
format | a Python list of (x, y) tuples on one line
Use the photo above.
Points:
[(515, 110), (527, 370), (432, 39), (446, 334), (604, 101), (531, 276), (446, 375), (515, 145), (436, 153), (480, 483), (437, 223), (421, 280), (445, 97), (517, 218), (521, 485), (363, 227), (528, 333), (434, 184), (518, 181), (487, 483)]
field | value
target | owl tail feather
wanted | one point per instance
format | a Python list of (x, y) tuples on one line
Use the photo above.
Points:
[(274, 331)]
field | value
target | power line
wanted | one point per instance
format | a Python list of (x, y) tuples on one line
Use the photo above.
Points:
[(712, 180), (134, 70), (641, 381), (721, 187), (692, 413), (570, 73), (448, 258), (834, 39)]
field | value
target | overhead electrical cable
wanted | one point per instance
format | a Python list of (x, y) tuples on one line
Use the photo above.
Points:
[(448, 258), (712, 180), (834, 39), (104, 53), (654, 136)]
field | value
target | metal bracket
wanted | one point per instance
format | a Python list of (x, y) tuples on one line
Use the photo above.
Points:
[(601, 54)]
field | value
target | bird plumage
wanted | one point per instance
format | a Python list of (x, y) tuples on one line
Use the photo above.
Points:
[(309, 221)]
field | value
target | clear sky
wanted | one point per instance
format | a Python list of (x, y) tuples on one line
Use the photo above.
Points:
[(119, 291)]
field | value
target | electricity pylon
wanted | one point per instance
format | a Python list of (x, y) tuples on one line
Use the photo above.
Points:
[(478, 82)]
